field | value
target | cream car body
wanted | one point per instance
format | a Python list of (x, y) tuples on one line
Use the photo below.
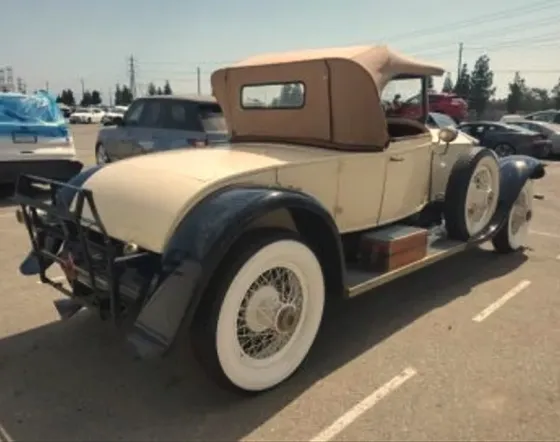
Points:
[(244, 244), (342, 183)]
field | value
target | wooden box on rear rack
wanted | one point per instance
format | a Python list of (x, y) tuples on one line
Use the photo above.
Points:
[(392, 247)]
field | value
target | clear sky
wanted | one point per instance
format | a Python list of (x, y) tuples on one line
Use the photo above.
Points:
[(63, 41)]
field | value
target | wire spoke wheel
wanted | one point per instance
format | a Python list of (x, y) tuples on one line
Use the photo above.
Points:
[(268, 315)]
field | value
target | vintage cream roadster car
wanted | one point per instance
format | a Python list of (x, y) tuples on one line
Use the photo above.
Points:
[(318, 197)]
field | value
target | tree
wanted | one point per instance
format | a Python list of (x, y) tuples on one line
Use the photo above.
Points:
[(430, 83), (159, 91), (118, 95), (126, 96), (86, 99), (481, 85), (66, 97), (556, 95), (538, 98), (463, 84), (95, 97), (152, 89), (167, 88), (516, 91), (447, 84)]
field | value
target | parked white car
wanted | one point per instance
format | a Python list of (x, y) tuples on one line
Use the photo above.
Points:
[(112, 114), (87, 115), (550, 130), (34, 139)]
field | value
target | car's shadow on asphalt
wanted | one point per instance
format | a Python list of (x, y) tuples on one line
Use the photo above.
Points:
[(74, 380)]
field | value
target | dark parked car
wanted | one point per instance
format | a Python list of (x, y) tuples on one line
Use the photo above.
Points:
[(158, 123), (506, 139)]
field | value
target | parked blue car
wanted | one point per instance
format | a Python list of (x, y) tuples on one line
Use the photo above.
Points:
[(162, 122)]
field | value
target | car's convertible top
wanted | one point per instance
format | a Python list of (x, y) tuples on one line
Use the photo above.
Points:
[(342, 107)]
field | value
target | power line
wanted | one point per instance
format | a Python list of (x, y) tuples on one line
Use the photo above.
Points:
[(486, 18)]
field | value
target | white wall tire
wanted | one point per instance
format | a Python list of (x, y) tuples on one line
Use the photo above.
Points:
[(265, 315), (514, 233), (471, 197)]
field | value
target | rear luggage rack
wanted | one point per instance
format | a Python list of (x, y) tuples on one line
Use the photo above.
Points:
[(53, 224)]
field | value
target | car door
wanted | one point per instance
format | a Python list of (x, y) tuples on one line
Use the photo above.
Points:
[(407, 177), (121, 141), (142, 138)]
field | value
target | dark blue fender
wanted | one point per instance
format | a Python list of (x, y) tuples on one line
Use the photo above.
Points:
[(30, 265), (515, 170), (201, 241)]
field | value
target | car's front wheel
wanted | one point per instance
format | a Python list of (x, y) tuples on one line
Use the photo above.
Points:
[(258, 322), (101, 156), (513, 234), (471, 197), (504, 150)]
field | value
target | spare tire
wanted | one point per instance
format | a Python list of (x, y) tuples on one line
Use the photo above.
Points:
[(471, 195)]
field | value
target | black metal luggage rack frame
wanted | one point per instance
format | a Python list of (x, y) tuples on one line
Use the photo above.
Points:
[(101, 261)]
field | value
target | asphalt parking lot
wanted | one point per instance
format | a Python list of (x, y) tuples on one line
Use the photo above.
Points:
[(468, 349)]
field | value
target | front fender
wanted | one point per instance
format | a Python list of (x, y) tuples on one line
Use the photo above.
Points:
[(65, 195), (515, 170), (197, 247)]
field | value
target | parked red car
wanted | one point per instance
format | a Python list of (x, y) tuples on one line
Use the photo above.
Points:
[(444, 103)]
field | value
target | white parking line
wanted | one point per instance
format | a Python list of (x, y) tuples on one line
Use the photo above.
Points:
[(558, 257), (356, 411), (4, 436), (550, 235), (500, 302)]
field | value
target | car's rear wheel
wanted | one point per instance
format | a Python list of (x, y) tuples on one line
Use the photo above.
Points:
[(101, 156), (263, 315), (513, 234), (471, 197), (504, 149)]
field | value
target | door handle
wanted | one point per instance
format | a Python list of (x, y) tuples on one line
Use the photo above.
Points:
[(396, 158)]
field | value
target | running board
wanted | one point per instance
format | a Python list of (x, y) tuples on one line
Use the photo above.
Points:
[(362, 281)]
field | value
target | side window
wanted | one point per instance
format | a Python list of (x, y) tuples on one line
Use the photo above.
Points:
[(556, 118), (133, 114), (181, 115), (152, 114), (467, 129), (542, 117)]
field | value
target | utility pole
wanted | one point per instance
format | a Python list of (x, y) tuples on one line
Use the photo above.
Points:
[(198, 80), (47, 86), (460, 62), (132, 75), (83, 86), (110, 96)]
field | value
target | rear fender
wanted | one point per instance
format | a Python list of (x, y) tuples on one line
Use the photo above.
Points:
[(515, 170), (199, 244), (65, 195)]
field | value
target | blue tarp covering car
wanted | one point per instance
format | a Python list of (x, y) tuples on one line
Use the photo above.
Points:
[(34, 138)]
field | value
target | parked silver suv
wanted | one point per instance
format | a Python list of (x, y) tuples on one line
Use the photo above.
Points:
[(162, 122)]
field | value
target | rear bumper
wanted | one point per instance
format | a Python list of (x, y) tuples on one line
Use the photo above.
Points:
[(102, 274), (61, 170)]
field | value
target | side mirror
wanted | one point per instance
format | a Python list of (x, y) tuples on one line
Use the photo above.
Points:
[(448, 135)]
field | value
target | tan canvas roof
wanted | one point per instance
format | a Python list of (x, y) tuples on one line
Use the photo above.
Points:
[(342, 95)]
